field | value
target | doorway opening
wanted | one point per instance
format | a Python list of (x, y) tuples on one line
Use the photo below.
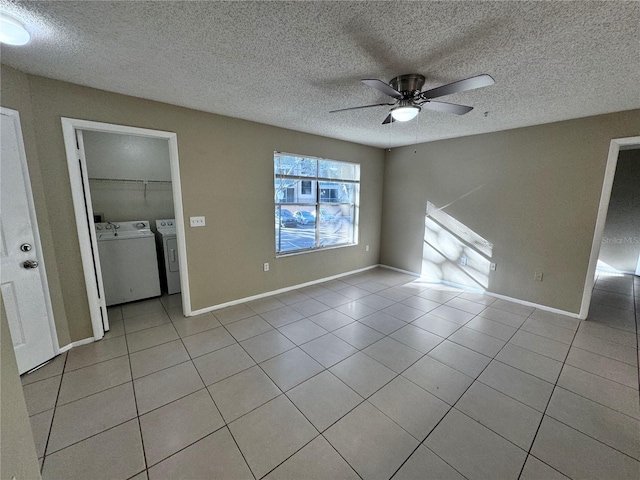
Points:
[(105, 226), (616, 145)]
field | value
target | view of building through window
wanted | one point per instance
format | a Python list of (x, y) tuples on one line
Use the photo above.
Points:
[(315, 202)]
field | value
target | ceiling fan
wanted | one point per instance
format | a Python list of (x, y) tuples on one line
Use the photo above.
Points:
[(409, 99)]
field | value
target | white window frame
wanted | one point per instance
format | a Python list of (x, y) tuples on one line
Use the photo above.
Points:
[(315, 180)]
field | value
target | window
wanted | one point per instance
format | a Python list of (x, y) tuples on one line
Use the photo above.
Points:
[(316, 203)]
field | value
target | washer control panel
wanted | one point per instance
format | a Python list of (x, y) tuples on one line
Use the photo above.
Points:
[(166, 223), (121, 227)]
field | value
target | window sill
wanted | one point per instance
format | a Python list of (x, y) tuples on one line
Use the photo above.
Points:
[(313, 250)]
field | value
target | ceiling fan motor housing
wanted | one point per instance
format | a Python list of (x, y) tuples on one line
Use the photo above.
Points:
[(407, 84)]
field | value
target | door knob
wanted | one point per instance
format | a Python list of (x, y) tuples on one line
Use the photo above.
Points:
[(25, 247), (30, 264)]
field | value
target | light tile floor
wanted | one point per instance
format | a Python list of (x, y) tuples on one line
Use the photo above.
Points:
[(372, 376)]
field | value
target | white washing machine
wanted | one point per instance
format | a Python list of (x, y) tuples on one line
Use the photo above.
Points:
[(168, 248), (128, 261)]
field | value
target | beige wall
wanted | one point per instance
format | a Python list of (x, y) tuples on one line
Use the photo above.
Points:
[(538, 202), (112, 157), (18, 458), (226, 173), (621, 238), (119, 201), (129, 157)]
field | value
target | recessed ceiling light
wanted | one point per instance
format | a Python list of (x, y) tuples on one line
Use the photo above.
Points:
[(12, 32)]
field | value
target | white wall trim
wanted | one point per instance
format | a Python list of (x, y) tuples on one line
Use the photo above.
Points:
[(485, 292), (84, 225), (535, 305), (79, 343), (279, 291), (14, 115), (407, 272), (605, 196)]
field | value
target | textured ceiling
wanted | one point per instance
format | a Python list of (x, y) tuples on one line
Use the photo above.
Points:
[(289, 64)]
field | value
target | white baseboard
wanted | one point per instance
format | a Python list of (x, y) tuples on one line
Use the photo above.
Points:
[(536, 305), (491, 294), (75, 344), (279, 291), (407, 272)]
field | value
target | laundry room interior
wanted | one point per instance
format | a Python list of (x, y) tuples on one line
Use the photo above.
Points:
[(129, 179)]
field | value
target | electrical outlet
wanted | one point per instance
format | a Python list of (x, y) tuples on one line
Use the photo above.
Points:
[(366, 249), (492, 267), (266, 267), (463, 261), (538, 276), (196, 221)]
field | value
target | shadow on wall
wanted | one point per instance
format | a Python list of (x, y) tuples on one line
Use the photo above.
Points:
[(454, 254)]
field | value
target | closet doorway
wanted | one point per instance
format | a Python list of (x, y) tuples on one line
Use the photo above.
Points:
[(108, 189)]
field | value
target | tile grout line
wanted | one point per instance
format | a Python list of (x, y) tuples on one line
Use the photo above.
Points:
[(637, 460), (598, 375), (421, 357), (586, 434), (327, 369), (397, 374), (451, 407), (226, 424), (63, 372), (544, 414), (281, 393), (135, 401), (295, 406), (476, 379), (55, 407)]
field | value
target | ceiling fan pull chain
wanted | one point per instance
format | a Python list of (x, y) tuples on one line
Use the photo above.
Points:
[(417, 127)]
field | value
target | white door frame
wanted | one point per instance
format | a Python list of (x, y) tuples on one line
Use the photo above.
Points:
[(14, 116), (605, 196), (88, 242)]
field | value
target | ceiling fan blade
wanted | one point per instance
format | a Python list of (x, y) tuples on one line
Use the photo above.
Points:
[(389, 119), (447, 107), (382, 87), (459, 86), (364, 106)]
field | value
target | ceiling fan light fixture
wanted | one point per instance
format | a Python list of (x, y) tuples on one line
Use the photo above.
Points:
[(12, 32), (404, 113)]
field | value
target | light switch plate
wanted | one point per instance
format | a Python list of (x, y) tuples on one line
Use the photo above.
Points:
[(196, 221)]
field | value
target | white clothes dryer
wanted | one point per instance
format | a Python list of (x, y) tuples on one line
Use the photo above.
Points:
[(168, 248)]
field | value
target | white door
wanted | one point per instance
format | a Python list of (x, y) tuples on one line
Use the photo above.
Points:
[(97, 300), (23, 280)]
